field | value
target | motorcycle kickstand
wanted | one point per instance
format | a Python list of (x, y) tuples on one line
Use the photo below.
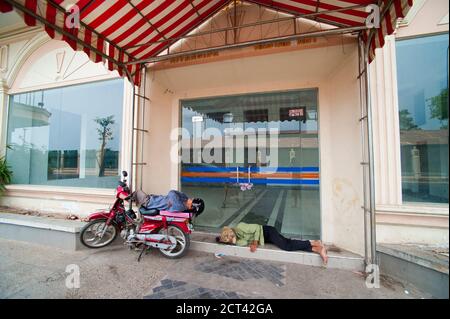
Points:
[(144, 248)]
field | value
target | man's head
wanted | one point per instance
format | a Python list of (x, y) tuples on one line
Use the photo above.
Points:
[(195, 205), (227, 236)]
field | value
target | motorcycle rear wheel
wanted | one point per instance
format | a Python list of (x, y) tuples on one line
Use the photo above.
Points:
[(183, 243), (90, 234)]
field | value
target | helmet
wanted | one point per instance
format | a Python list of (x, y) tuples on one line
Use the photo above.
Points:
[(198, 206)]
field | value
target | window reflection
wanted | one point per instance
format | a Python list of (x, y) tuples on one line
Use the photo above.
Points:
[(275, 182), (423, 112), (69, 136)]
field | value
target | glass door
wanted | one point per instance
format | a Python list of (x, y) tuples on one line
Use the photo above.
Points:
[(254, 158)]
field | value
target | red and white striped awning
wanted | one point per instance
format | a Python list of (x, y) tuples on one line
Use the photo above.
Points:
[(122, 31)]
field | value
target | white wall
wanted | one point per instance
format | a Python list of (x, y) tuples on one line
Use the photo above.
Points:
[(341, 151), (425, 17), (332, 69), (157, 174), (406, 234)]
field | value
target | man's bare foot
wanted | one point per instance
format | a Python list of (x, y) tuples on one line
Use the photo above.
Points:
[(323, 254)]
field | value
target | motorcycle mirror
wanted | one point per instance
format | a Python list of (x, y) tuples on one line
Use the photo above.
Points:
[(124, 173)]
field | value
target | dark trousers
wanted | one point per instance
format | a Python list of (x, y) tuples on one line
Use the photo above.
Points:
[(272, 236)]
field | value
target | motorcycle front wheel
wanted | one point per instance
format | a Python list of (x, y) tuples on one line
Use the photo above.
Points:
[(183, 243), (91, 234)]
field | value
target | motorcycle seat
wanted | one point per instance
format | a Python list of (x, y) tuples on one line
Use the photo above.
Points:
[(176, 214), (148, 212)]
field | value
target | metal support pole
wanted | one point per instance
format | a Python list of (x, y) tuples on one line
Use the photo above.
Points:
[(142, 114), (369, 113), (235, 23), (363, 120), (372, 208)]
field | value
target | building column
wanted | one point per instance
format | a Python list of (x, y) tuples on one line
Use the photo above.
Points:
[(4, 97), (127, 129), (386, 127)]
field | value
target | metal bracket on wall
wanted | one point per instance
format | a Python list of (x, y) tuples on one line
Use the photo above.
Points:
[(140, 130), (142, 97)]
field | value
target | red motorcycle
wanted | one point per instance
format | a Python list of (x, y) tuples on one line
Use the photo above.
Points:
[(167, 231)]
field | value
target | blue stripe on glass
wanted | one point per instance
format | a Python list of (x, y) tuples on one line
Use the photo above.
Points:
[(253, 180), (253, 169)]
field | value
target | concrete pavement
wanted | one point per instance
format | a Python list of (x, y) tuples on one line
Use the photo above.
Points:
[(35, 271)]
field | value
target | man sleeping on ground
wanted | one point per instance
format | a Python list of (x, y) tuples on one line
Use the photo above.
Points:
[(252, 235)]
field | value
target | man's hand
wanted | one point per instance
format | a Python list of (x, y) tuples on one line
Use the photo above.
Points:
[(253, 246)]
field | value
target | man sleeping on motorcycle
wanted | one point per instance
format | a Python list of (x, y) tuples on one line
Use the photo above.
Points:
[(174, 201)]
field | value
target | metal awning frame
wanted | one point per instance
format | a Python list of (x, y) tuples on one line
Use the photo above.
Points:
[(311, 16)]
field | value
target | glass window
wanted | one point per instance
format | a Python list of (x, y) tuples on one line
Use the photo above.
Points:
[(68, 136), (423, 105), (247, 173)]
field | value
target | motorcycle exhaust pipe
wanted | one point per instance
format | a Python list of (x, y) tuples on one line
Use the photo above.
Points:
[(154, 240)]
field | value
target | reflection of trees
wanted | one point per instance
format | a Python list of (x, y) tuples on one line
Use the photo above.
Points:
[(105, 134), (407, 122), (439, 107)]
